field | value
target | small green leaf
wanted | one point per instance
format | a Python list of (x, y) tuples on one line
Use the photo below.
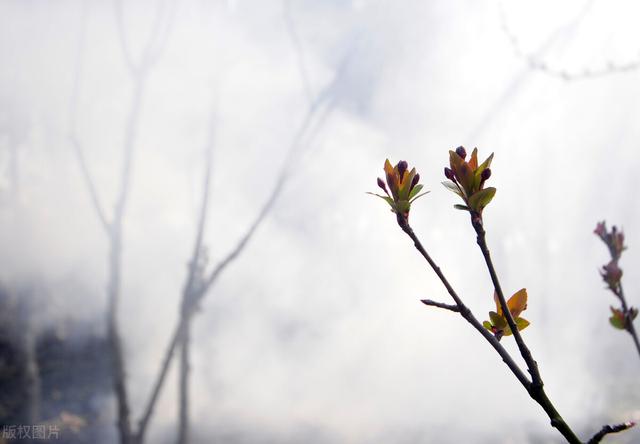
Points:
[(487, 325), (386, 198), (461, 207), (419, 195), (415, 191), (485, 164), (617, 322), (452, 187), (522, 323), (482, 198), (497, 320)]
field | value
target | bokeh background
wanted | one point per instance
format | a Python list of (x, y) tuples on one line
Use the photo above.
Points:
[(315, 332)]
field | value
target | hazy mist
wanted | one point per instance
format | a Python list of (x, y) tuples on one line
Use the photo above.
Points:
[(315, 332)]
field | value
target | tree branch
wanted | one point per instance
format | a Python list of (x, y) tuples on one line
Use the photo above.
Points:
[(524, 350), (536, 389), (464, 311), (629, 327), (606, 429), (297, 46), (442, 305), (311, 119)]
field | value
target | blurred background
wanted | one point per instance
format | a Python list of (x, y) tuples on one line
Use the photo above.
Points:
[(302, 297)]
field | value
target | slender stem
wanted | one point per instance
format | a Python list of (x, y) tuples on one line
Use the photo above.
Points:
[(465, 312), (606, 429), (524, 350), (157, 387), (629, 321), (113, 334), (442, 305), (183, 424), (536, 389)]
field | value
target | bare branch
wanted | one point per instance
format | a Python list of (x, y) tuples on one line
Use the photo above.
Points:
[(191, 290), (524, 350), (606, 429), (183, 388), (535, 60), (449, 307), (93, 193), (157, 387), (464, 311), (315, 117), (297, 46), (519, 79), (122, 38), (73, 111), (631, 329), (158, 40)]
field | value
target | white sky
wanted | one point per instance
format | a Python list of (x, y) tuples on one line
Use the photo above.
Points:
[(316, 334)]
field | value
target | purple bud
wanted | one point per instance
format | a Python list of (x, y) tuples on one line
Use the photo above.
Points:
[(402, 167), (448, 173), (382, 185), (460, 151), (414, 182), (486, 173), (601, 229)]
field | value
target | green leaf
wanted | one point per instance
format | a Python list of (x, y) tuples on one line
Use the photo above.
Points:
[(386, 198), (482, 198), (497, 320), (617, 322), (452, 187), (522, 323), (461, 207), (485, 164), (419, 195), (487, 325), (415, 191)]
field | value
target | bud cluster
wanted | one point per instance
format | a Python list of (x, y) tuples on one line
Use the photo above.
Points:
[(467, 179), (401, 187)]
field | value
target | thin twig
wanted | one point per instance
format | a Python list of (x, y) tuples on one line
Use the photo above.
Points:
[(297, 46), (89, 182), (536, 389), (191, 289), (310, 121), (114, 227), (631, 329), (464, 311), (159, 383), (535, 60), (606, 429), (524, 350), (442, 305), (183, 388)]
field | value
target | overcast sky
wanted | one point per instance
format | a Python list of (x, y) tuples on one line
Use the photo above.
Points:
[(316, 332)]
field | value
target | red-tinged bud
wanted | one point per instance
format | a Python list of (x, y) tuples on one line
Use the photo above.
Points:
[(486, 173), (382, 185), (448, 173), (415, 181), (601, 229), (460, 151), (402, 167)]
